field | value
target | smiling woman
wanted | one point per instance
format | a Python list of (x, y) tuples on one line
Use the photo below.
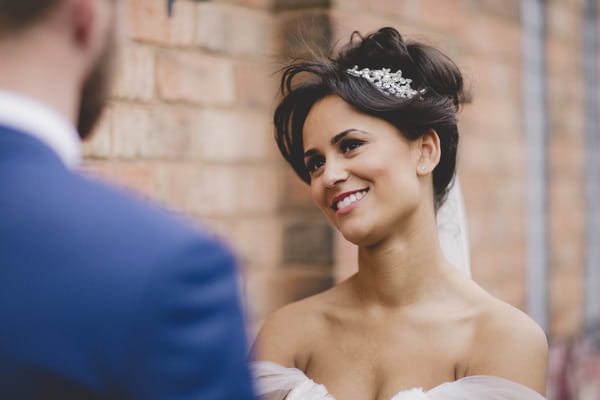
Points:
[(436, 81), (373, 131), (356, 154)]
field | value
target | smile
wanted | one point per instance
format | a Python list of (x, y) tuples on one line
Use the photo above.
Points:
[(347, 199)]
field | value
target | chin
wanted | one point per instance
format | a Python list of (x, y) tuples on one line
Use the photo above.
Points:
[(358, 235), (366, 232), (360, 230)]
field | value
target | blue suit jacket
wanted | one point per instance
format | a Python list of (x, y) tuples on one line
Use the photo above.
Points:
[(103, 296)]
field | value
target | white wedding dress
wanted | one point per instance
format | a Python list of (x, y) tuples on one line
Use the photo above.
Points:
[(275, 382)]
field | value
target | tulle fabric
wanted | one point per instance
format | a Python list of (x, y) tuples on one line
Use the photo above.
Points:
[(275, 382), (452, 229)]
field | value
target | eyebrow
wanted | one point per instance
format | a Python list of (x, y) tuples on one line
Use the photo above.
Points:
[(334, 140)]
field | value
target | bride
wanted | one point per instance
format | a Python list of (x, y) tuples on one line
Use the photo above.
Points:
[(373, 132)]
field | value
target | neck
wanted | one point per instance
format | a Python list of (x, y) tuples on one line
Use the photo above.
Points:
[(41, 74), (404, 268)]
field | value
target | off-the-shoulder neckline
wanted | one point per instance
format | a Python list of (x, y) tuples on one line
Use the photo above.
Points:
[(466, 379)]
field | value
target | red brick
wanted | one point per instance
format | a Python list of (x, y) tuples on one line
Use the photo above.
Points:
[(501, 271), (259, 241), (136, 77), (250, 32), (446, 15), (302, 34), (494, 39), (232, 29), (256, 84), (296, 195), (264, 4), (492, 157), (567, 157), (266, 291), (563, 61), (505, 225), (149, 22), (566, 288), (224, 135), (259, 189), (199, 190), (195, 78), (509, 9), (346, 258), (131, 126), (407, 9), (219, 191), (564, 21), (163, 132), (172, 134), (346, 21), (180, 185), (211, 26), (136, 177), (352, 5), (505, 86)]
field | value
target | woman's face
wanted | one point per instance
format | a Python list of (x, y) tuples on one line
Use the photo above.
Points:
[(364, 173)]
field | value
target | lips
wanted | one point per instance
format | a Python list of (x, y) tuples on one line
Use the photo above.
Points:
[(347, 198)]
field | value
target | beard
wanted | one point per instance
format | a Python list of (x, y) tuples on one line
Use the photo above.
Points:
[(96, 88)]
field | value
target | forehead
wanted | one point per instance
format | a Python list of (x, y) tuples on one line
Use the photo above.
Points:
[(332, 115), (328, 117)]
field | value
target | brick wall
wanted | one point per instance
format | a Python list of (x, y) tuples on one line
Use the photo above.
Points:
[(190, 126), (566, 150)]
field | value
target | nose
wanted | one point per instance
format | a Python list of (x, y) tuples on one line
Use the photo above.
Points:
[(334, 172)]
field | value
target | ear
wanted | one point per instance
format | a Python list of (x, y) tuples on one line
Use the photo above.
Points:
[(83, 18), (430, 152)]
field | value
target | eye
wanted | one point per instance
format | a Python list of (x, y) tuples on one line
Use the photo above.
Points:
[(350, 144), (314, 163)]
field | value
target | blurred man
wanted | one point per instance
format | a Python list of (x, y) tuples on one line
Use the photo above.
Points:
[(101, 296)]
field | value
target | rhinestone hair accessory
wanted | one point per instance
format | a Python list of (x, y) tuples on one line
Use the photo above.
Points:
[(390, 83)]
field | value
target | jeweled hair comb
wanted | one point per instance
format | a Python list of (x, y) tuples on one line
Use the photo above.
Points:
[(390, 83)]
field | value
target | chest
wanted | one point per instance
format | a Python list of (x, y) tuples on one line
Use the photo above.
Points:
[(375, 362)]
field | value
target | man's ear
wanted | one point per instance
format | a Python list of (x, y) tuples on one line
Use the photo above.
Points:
[(83, 19), (430, 152)]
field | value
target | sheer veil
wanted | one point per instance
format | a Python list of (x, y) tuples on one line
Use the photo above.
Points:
[(452, 229)]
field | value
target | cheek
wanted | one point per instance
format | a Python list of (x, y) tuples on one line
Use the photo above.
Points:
[(316, 193), (381, 168), (395, 162), (395, 178)]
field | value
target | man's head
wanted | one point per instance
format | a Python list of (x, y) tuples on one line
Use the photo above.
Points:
[(19, 15), (78, 40)]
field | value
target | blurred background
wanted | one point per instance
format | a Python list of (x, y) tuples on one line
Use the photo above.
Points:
[(189, 125)]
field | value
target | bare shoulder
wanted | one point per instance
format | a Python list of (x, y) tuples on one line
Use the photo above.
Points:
[(509, 344), (288, 332)]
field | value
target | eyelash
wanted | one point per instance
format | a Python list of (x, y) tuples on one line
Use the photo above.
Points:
[(348, 145), (311, 164)]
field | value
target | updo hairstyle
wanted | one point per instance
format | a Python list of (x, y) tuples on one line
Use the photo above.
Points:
[(432, 72)]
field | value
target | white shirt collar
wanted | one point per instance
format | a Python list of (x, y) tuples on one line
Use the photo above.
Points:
[(39, 120)]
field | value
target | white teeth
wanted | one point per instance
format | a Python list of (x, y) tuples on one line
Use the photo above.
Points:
[(350, 199)]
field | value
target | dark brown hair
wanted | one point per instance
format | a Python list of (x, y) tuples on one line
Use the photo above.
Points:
[(17, 15), (304, 83)]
